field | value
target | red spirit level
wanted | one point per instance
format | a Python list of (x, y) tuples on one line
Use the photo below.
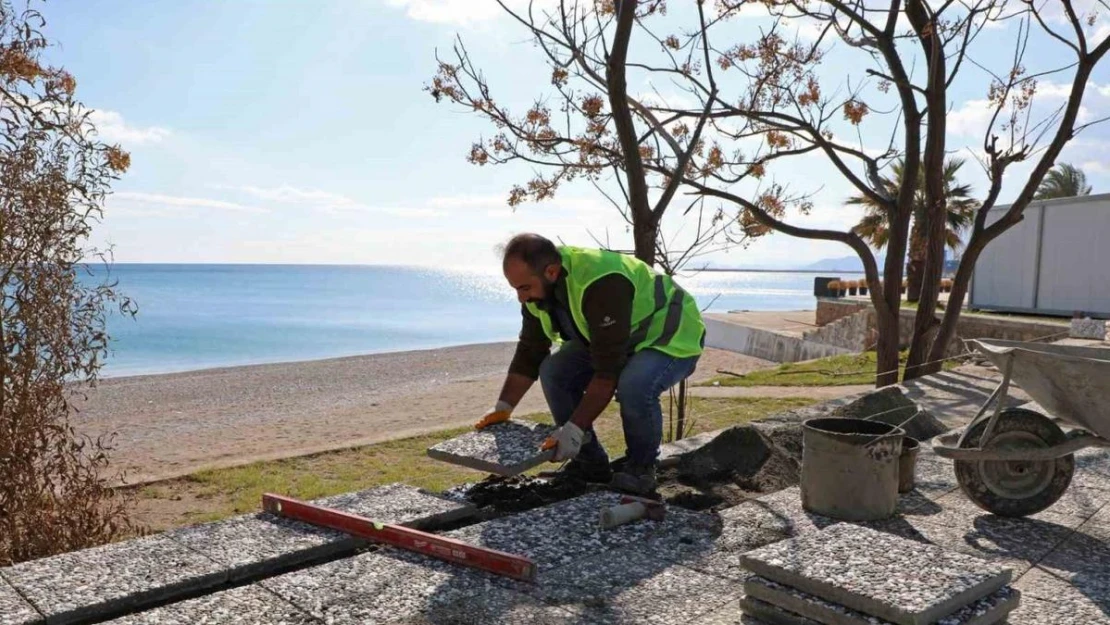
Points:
[(440, 547)]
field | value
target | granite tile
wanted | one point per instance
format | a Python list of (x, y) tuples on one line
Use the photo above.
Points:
[(999, 547), (1090, 479), (772, 614), (245, 605), (633, 585), (1093, 459), (721, 556), (780, 512), (730, 614), (1040, 612), (14, 609), (1048, 600), (106, 580), (561, 533), (507, 448), (957, 510), (1084, 551), (934, 477), (392, 586), (878, 573), (985, 611), (251, 544)]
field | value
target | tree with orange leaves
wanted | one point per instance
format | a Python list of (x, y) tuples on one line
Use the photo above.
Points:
[(54, 176), (760, 104)]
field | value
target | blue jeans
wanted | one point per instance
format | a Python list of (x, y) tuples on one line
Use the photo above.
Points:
[(565, 375)]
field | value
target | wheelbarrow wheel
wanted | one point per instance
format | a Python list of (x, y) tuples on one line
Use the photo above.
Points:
[(1016, 488)]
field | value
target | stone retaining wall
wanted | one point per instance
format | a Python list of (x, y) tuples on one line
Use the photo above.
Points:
[(851, 325)]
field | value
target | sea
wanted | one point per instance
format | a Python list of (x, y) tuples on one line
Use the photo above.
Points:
[(194, 316)]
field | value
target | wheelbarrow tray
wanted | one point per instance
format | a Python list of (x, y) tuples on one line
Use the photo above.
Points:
[(1072, 383)]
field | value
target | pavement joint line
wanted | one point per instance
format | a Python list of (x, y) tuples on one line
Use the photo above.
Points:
[(4, 580)]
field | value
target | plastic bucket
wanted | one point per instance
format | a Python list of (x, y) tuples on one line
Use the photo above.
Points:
[(850, 468), (907, 463)]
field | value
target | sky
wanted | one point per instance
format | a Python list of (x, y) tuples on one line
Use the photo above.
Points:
[(282, 131)]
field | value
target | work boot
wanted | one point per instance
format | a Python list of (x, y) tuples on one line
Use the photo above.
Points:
[(594, 471), (635, 480)]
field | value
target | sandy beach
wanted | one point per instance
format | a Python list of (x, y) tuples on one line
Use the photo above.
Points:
[(174, 424)]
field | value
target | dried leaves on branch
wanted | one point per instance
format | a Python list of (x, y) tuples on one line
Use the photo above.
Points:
[(852, 85), (54, 175)]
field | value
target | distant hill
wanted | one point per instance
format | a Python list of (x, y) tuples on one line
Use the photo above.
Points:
[(846, 264)]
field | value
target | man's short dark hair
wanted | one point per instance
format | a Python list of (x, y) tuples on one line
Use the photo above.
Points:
[(536, 251)]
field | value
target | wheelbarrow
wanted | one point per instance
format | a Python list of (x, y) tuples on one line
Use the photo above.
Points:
[(1016, 461)]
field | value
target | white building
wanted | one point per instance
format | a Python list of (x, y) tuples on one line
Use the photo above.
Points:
[(1054, 262)]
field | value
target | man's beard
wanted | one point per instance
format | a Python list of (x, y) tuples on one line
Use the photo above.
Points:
[(546, 302)]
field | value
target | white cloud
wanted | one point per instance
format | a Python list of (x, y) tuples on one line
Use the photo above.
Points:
[(970, 118), (155, 203), (463, 12), (1095, 167), (334, 202), (111, 127)]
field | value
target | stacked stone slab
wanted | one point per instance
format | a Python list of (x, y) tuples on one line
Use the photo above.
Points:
[(849, 574)]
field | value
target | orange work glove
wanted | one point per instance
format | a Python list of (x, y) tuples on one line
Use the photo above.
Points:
[(500, 413)]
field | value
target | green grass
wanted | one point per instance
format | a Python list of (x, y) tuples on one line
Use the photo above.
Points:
[(221, 493), (843, 370)]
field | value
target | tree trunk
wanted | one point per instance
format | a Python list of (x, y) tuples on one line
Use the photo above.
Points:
[(886, 351), (915, 264), (645, 234)]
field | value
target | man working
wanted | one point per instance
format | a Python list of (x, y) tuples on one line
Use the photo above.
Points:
[(623, 328)]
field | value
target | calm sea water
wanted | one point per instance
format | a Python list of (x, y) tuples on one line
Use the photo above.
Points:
[(200, 316)]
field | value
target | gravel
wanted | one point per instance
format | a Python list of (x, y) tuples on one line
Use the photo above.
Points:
[(102, 580), (246, 605), (990, 609), (250, 544), (507, 448), (903, 581)]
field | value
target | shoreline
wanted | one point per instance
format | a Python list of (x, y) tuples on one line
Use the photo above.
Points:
[(173, 424)]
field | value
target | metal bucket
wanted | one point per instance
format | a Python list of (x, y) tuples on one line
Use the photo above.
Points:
[(907, 463), (850, 468)]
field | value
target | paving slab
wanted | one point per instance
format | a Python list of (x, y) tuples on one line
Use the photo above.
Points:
[(564, 532), (1048, 600), (772, 614), (245, 605), (113, 578), (1073, 509), (985, 611), (878, 573), (14, 609), (1086, 551), (634, 585), (730, 614), (508, 448), (934, 477), (251, 544), (392, 586), (780, 512), (722, 558)]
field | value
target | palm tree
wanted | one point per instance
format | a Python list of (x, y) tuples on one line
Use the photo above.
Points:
[(1064, 180), (961, 212)]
